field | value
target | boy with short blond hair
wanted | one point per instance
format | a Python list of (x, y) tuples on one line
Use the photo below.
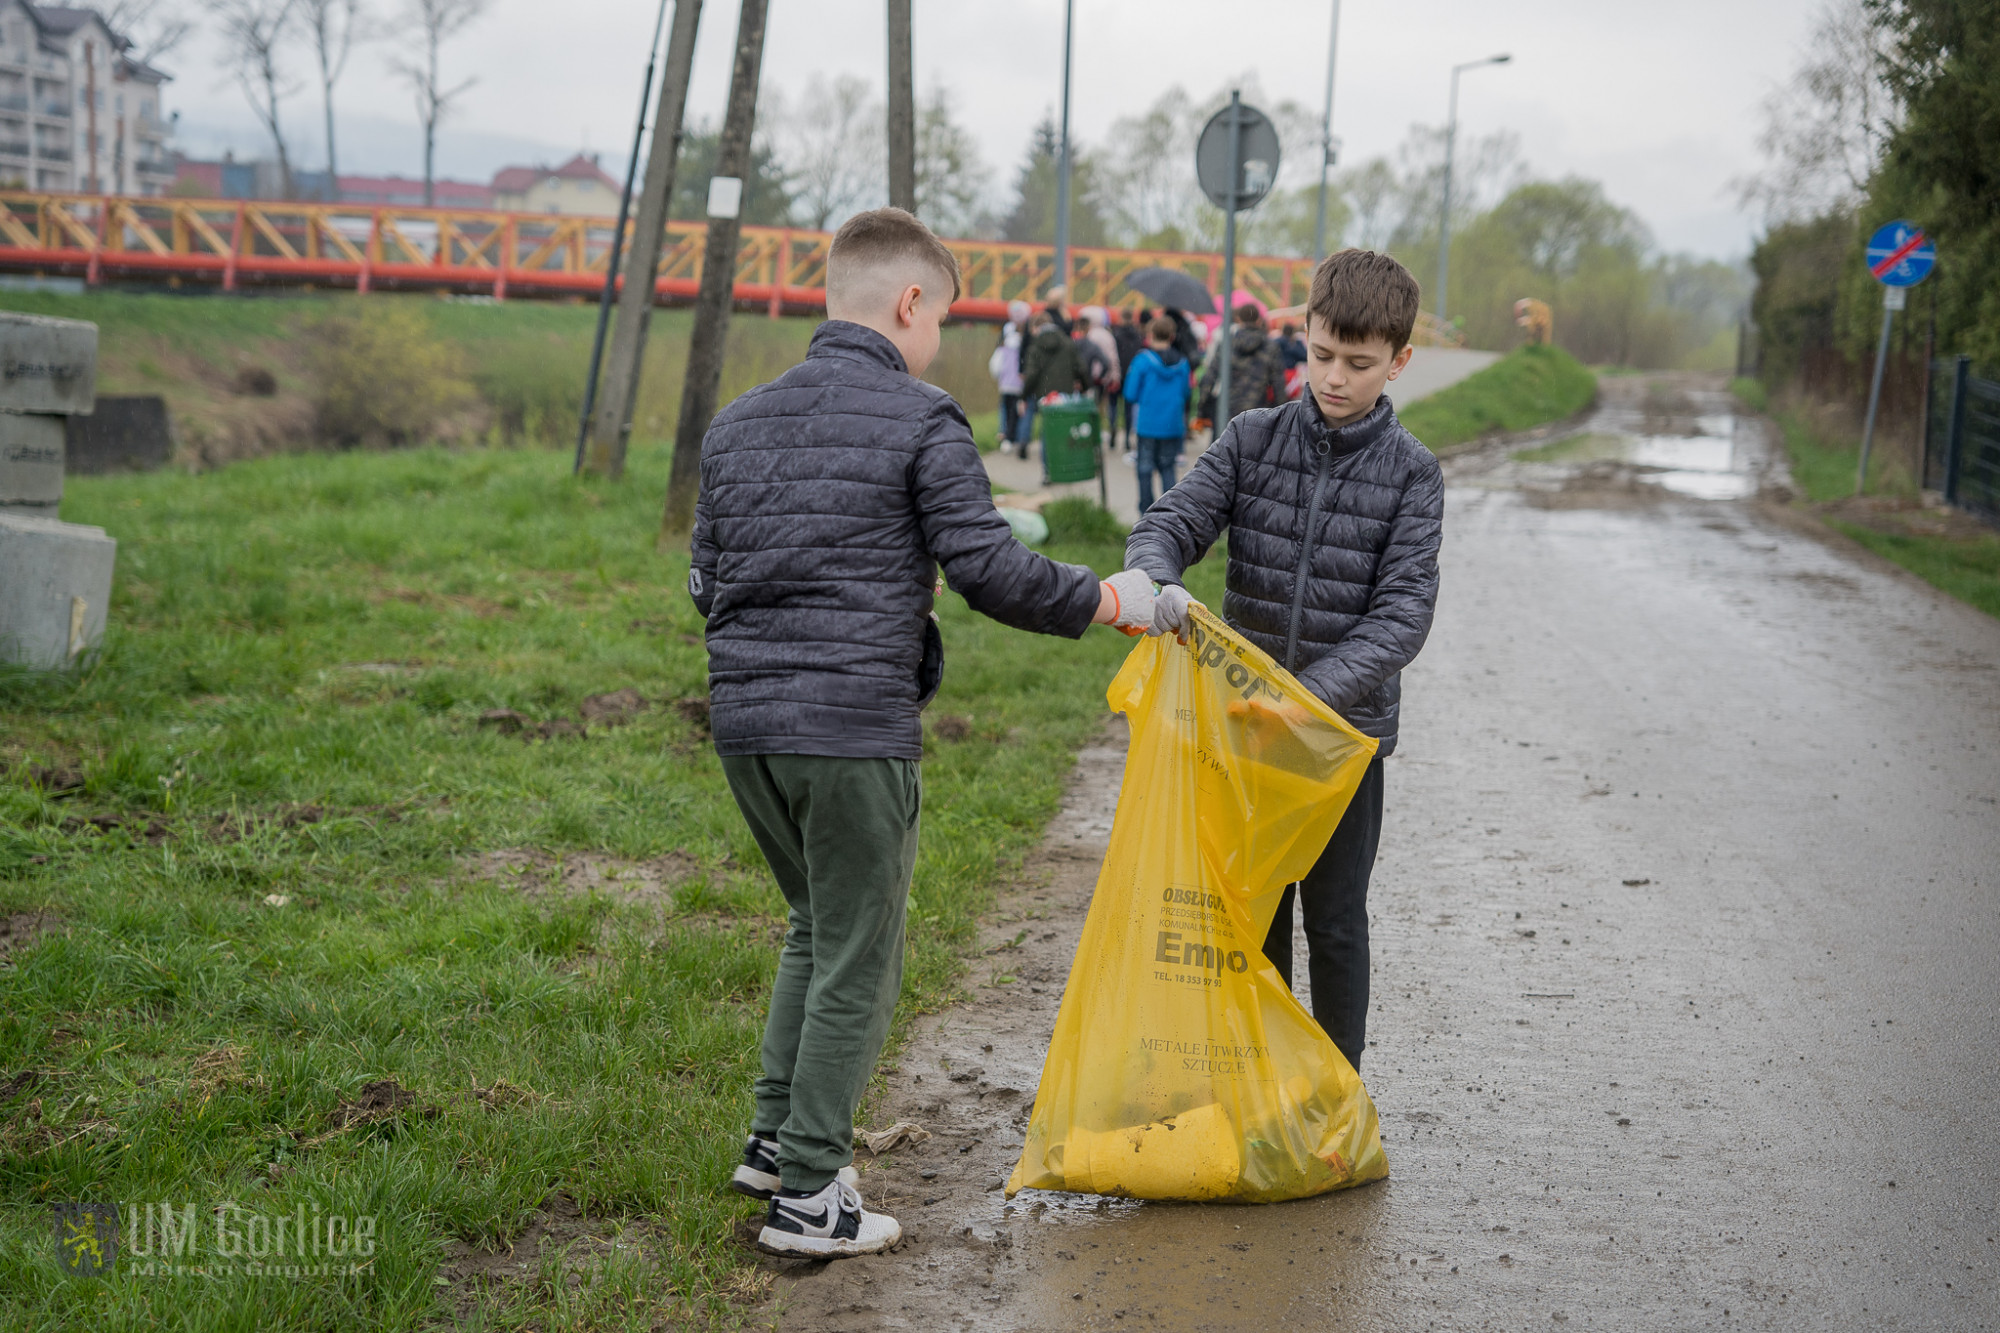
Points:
[(829, 498), (1335, 514)]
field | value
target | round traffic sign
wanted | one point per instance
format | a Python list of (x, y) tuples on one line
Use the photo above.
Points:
[(1256, 162), (1900, 255)]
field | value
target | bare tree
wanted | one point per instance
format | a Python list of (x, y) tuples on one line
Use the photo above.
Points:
[(833, 145), (951, 175), (1146, 169), (252, 31), (1374, 196), (333, 26), (433, 23), (154, 27), (1825, 129)]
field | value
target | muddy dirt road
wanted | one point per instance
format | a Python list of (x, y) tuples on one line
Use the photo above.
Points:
[(1687, 958)]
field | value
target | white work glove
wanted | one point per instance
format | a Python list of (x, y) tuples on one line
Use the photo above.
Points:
[(1129, 593), (1170, 611)]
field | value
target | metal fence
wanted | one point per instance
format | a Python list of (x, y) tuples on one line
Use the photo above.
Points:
[(1962, 438)]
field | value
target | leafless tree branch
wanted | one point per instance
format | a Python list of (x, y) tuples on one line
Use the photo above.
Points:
[(432, 23), (333, 27), (252, 31)]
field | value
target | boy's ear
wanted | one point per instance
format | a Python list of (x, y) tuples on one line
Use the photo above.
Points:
[(1401, 359)]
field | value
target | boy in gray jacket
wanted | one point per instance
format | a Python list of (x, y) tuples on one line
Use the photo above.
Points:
[(1335, 514), (829, 498)]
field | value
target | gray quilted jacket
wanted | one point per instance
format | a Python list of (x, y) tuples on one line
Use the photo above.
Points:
[(828, 499), (1333, 548)]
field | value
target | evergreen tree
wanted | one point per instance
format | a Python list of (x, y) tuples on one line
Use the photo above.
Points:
[(1033, 217), (767, 194)]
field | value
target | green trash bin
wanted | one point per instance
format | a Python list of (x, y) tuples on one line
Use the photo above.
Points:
[(1070, 438)]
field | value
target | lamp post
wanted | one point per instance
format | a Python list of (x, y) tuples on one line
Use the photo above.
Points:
[(1062, 157), (1326, 138), (1450, 140)]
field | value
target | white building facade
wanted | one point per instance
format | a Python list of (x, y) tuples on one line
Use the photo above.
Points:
[(78, 113)]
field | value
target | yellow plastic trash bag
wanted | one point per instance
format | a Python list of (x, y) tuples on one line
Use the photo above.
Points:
[(1181, 1067)]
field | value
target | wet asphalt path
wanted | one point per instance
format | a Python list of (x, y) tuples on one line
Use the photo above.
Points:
[(1687, 968)]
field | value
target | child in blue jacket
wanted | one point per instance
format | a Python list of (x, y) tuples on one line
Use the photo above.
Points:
[(1158, 384)]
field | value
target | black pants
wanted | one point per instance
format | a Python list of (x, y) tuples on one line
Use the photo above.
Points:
[(1334, 896)]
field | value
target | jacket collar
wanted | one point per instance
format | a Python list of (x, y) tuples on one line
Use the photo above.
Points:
[(856, 342), (1352, 437)]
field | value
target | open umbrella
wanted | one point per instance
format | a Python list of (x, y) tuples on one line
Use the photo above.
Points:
[(1171, 287)]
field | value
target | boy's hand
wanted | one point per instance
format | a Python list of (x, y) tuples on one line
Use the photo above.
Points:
[(1170, 611), (1125, 601)]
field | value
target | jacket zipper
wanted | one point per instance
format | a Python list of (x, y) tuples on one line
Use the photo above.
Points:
[(1305, 555)]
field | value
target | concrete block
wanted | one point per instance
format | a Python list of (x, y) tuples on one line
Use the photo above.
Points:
[(55, 585), (47, 365), (31, 463), (122, 435)]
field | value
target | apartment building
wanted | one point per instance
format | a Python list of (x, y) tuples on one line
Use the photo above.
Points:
[(77, 111)]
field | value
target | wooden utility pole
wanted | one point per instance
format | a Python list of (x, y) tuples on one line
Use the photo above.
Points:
[(902, 110), (718, 276), (611, 422)]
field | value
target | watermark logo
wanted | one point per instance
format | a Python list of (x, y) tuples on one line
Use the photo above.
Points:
[(86, 1238), (166, 1239)]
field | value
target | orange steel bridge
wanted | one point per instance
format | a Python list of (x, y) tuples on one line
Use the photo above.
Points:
[(238, 244)]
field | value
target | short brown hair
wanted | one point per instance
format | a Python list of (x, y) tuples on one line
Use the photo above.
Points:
[(1248, 314), (884, 236), (1161, 328), (1361, 296)]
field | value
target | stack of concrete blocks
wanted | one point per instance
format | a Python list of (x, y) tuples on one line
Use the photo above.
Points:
[(55, 577)]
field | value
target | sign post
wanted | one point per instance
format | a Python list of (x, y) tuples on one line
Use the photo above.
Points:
[(1900, 256), (1236, 162)]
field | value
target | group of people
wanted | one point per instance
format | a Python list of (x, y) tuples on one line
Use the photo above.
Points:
[(830, 500), (1141, 372)]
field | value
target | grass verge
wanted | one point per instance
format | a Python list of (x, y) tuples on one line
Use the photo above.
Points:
[(526, 361), (1530, 386), (1952, 552), (284, 927)]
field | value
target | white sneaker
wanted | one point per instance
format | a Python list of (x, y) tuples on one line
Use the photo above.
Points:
[(831, 1224), (758, 1176)]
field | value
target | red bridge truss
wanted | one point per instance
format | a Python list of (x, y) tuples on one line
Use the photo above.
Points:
[(244, 243)]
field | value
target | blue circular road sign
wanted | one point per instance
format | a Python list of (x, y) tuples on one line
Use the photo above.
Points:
[(1900, 255)]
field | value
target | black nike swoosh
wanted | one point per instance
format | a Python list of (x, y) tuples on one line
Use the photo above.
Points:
[(808, 1218)]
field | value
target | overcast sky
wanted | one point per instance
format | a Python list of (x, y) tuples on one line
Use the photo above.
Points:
[(1657, 102)]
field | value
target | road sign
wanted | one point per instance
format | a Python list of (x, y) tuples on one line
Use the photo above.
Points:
[(1257, 171), (1900, 255)]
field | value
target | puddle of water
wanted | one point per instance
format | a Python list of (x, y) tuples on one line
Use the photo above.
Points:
[(1707, 465)]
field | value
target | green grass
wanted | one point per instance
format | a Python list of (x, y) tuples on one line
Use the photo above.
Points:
[(1823, 468), (1966, 568), (1530, 386), (1751, 393), (284, 898)]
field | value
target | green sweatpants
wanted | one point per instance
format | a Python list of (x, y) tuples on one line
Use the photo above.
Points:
[(841, 837)]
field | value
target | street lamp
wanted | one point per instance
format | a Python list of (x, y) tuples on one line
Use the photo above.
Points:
[(1062, 155), (1450, 139), (1326, 142)]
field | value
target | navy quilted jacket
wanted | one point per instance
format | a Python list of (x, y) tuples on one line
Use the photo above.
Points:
[(1333, 548), (829, 497)]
